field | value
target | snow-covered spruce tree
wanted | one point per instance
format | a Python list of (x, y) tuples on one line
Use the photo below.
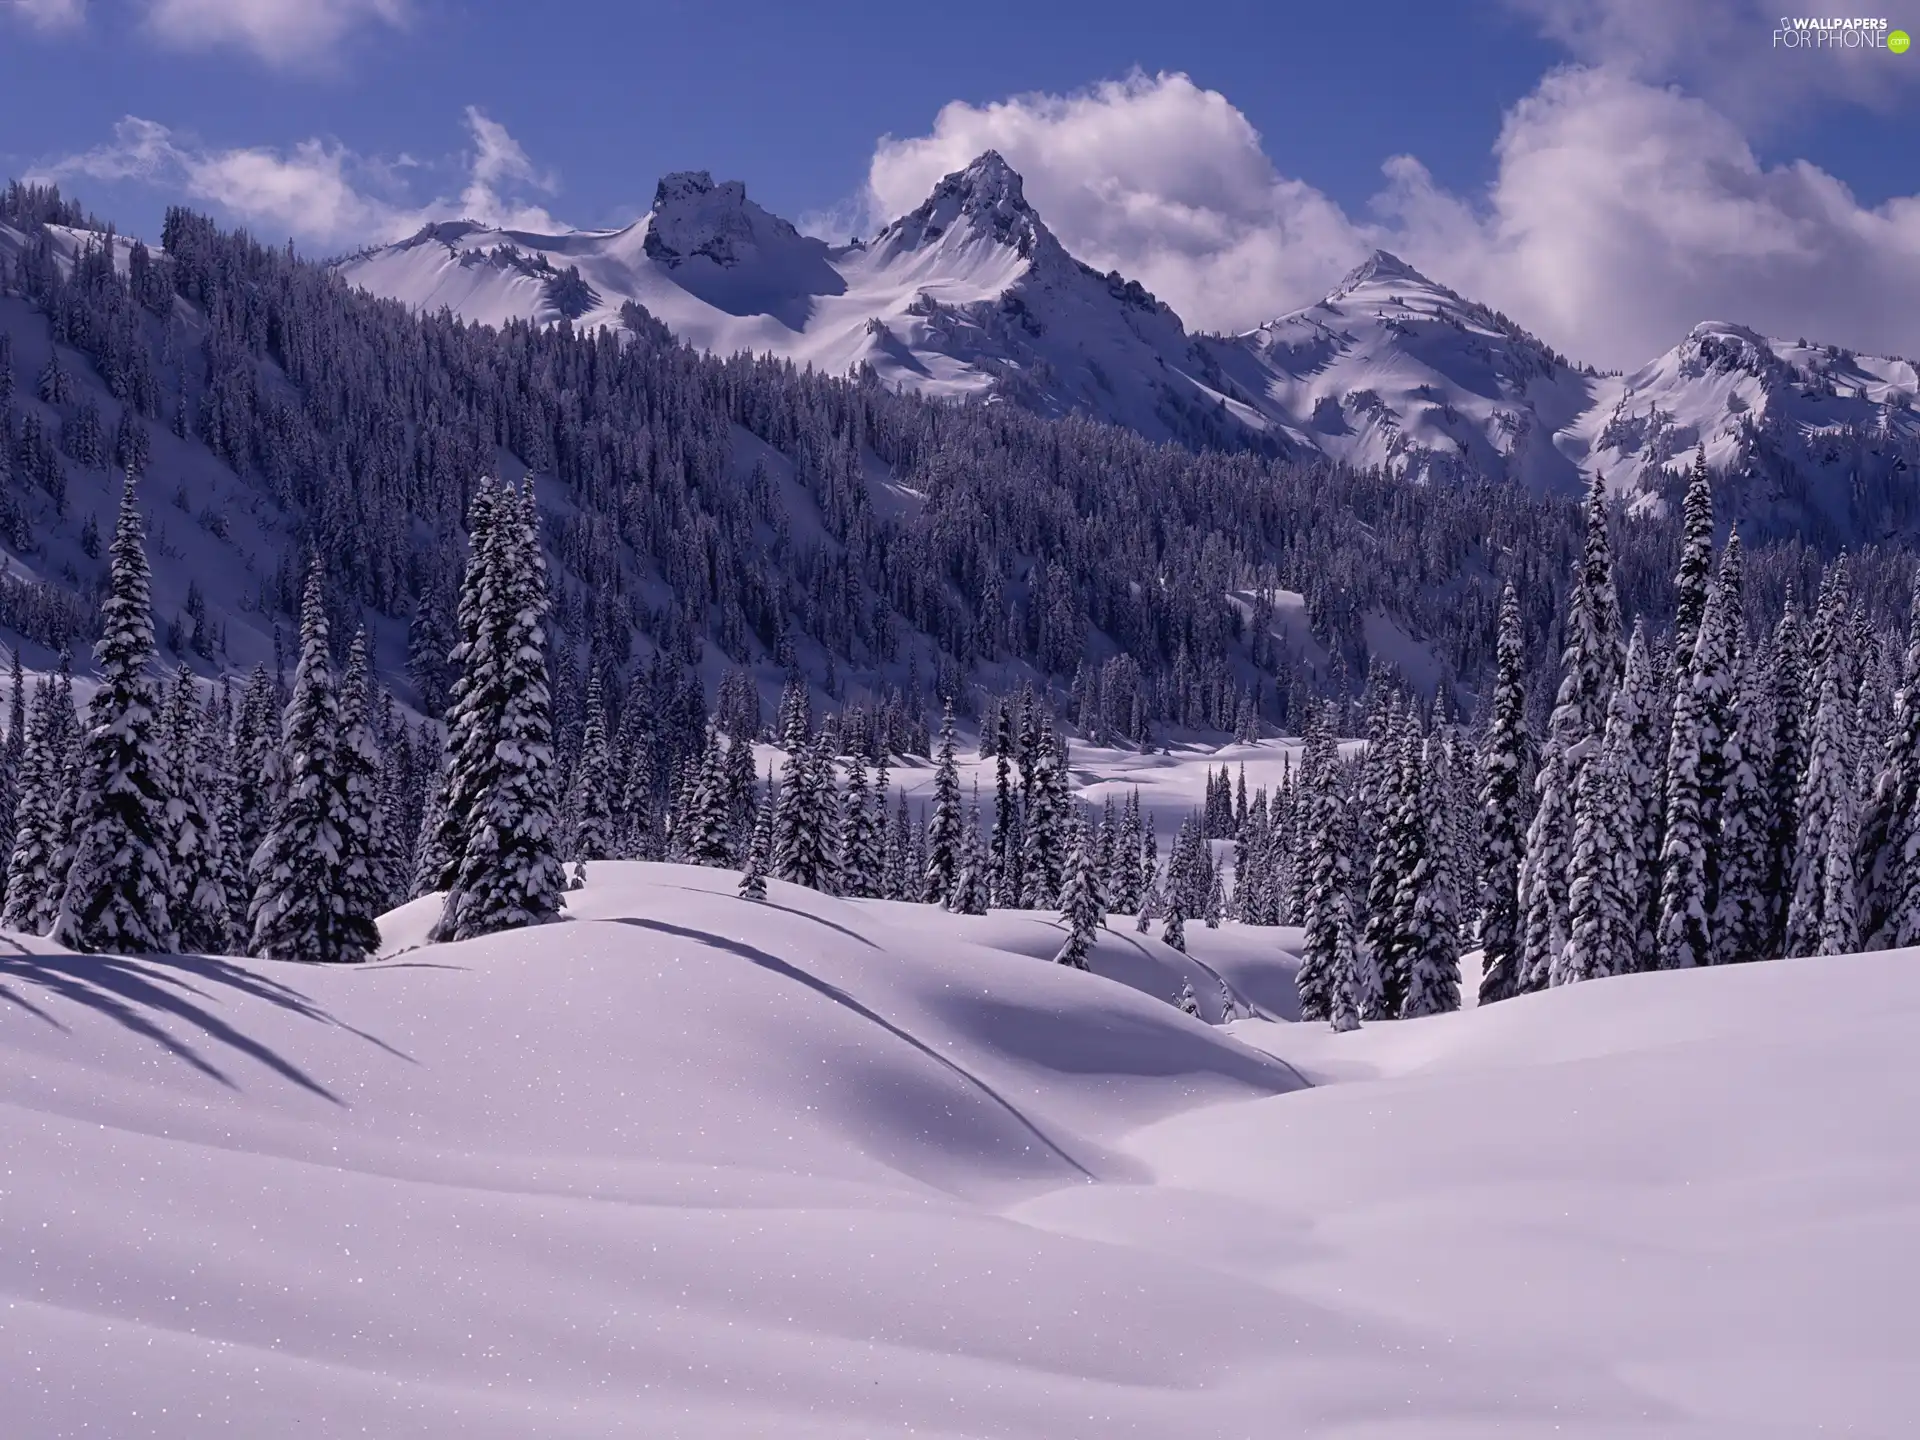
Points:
[(795, 821), (1005, 849), (476, 694), (1082, 903), (1692, 581), (1228, 1009), (1328, 869), (1740, 911), (359, 889), (706, 827), (943, 825), (899, 851), (1839, 901), (1601, 916), (202, 911), (1216, 898), (971, 888), (1825, 806), (1398, 848), (1589, 666), (590, 808), (1429, 952), (753, 879), (1045, 821), (1696, 776), (509, 874), (862, 862), (1505, 765), (1348, 999), (1173, 930), (30, 904), (118, 892), (294, 872), (1188, 1002), (1888, 834), (256, 763), (826, 791), (13, 752)]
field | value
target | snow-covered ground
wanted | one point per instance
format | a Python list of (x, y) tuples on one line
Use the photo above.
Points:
[(691, 1166)]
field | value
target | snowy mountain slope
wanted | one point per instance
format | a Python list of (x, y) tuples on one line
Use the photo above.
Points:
[(690, 1166), (215, 542), (1802, 427), (1394, 371), (970, 295)]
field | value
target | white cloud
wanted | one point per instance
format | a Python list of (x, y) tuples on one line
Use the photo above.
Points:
[(499, 161), (1622, 212), (1724, 52), (318, 191), (290, 33), (48, 16)]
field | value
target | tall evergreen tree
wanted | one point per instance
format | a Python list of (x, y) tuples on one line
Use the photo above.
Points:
[(862, 843), (943, 827), (1504, 767), (32, 899), (1696, 776), (1329, 870), (1825, 806), (1888, 834), (1604, 879), (1428, 947), (590, 809), (1588, 665), (753, 878), (1691, 582), (201, 907), (1082, 901), (359, 888), (119, 889), (1740, 914), (295, 872), (509, 871)]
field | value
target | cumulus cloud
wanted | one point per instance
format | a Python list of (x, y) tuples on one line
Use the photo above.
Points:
[(1622, 212), (290, 33), (1150, 175), (47, 16), (1724, 52), (319, 191)]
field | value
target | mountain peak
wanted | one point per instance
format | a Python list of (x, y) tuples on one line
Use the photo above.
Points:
[(986, 198), (693, 215), (1381, 265), (992, 180)]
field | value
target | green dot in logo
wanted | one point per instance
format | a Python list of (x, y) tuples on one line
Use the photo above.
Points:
[(1898, 41)]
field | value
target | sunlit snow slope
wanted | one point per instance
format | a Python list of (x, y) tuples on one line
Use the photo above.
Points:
[(691, 1166)]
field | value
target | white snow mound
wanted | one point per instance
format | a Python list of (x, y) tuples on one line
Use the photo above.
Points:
[(688, 1165)]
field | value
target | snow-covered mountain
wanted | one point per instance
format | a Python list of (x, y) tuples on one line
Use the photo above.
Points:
[(1392, 370), (971, 296)]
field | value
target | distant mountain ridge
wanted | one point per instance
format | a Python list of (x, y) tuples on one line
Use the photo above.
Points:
[(971, 296)]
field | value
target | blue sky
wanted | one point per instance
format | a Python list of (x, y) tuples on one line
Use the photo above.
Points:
[(338, 120)]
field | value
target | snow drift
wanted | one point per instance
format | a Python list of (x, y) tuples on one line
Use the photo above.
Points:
[(691, 1166)]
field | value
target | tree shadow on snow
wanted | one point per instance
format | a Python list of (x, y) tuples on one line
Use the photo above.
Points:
[(840, 997), (137, 992)]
